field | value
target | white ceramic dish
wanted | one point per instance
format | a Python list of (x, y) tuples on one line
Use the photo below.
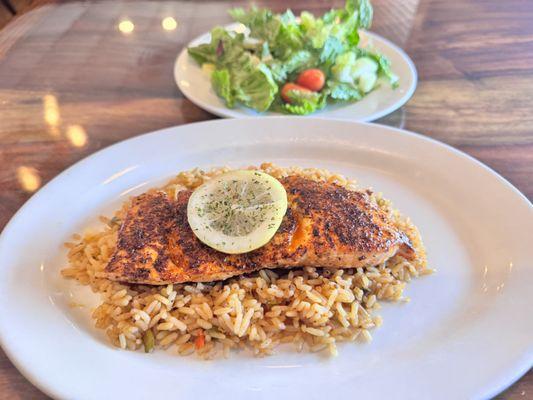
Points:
[(196, 86), (466, 334)]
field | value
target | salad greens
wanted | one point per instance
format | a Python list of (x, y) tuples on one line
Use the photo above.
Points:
[(253, 69)]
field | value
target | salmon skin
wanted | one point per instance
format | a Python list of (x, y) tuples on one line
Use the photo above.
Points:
[(325, 225)]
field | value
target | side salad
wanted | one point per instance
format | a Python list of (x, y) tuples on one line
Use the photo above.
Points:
[(293, 65)]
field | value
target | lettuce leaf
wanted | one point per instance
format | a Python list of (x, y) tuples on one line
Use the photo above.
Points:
[(303, 103), (344, 91), (332, 48), (239, 75), (263, 24), (221, 81), (364, 11), (255, 87), (296, 62), (202, 54), (281, 32), (337, 30), (385, 69), (289, 37), (314, 29), (207, 52), (224, 48)]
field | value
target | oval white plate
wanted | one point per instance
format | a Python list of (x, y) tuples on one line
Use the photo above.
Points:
[(196, 86), (465, 334)]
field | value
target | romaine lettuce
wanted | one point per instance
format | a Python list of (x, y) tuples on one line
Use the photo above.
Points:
[(221, 81), (255, 87), (252, 70)]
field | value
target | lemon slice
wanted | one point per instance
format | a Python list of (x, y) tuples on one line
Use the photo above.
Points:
[(237, 212)]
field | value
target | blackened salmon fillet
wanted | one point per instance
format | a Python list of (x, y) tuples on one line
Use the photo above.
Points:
[(325, 225)]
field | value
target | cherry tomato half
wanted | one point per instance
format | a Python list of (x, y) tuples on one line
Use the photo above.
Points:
[(312, 79), (291, 86)]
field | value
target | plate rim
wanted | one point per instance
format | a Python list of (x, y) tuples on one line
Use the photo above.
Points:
[(226, 112), (521, 366)]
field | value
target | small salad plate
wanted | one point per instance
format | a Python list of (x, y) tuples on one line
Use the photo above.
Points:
[(195, 84)]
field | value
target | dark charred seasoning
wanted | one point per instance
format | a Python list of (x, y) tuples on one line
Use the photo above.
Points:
[(341, 228), (349, 217)]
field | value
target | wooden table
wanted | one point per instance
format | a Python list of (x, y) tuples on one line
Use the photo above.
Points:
[(73, 80), (5, 15)]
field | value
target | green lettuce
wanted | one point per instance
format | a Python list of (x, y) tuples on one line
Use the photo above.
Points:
[(314, 29), (289, 38), (364, 12), (255, 88), (263, 24), (207, 53), (252, 70), (304, 102), (239, 75), (344, 91), (385, 69), (296, 62), (221, 81), (281, 32), (333, 47)]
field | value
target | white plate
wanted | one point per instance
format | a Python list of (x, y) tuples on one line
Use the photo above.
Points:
[(466, 334), (196, 86)]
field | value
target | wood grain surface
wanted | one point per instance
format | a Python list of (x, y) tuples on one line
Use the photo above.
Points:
[(5, 15), (71, 82), (19, 6)]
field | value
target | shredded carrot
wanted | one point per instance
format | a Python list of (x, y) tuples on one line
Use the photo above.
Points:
[(199, 341)]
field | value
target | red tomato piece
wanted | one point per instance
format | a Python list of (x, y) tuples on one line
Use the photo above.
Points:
[(312, 79), (291, 86)]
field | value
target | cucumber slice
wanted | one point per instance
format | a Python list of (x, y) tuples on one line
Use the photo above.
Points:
[(363, 65), (237, 212)]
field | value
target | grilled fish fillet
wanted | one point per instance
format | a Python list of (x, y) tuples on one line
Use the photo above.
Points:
[(325, 226)]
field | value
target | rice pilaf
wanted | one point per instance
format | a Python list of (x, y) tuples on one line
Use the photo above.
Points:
[(311, 308)]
